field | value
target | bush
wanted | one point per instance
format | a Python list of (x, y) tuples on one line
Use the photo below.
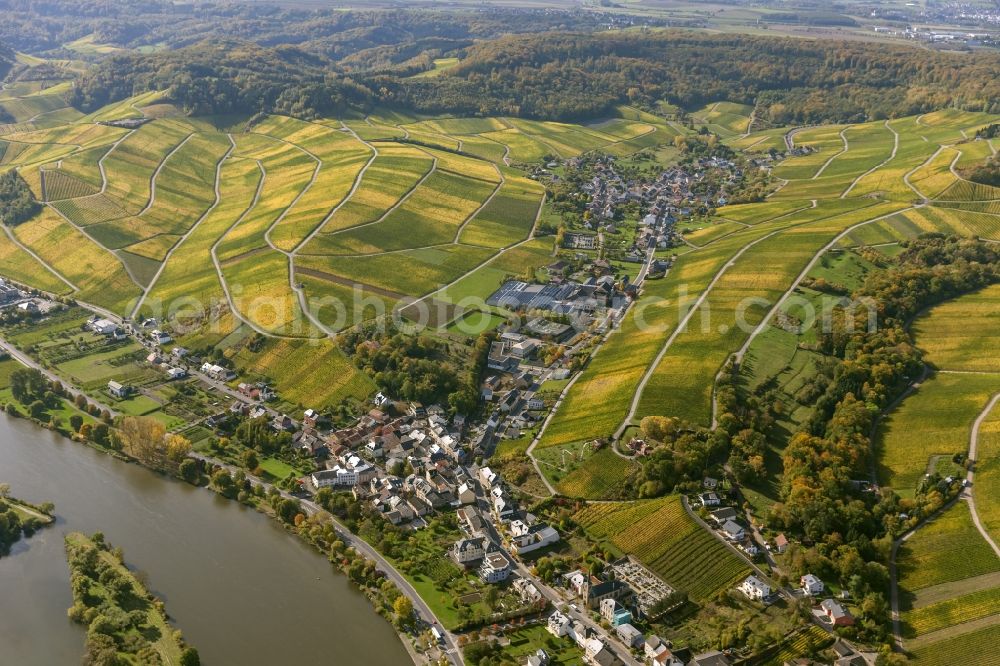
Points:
[(17, 203)]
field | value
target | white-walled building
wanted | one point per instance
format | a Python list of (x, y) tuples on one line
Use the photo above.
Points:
[(755, 588), (811, 585), (495, 568), (466, 551), (559, 625)]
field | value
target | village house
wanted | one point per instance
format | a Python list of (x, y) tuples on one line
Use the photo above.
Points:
[(540, 658), (467, 551), (629, 635), (510, 400), (310, 442), (392, 507), (811, 585), (283, 422), (471, 520), (597, 653), (658, 654), (836, 614), (347, 473), (495, 568), (527, 591), (310, 418), (781, 543), (733, 531), (503, 503), (525, 538), (118, 390), (755, 588), (579, 633), (239, 408), (558, 624), (500, 359), (216, 372), (8, 293), (723, 515), (375, 448), (466, 494), (103, 327), (577, 582), (247, 390), (524, 349), (709, 499), (614, 613), (712, 658), (487, 477)]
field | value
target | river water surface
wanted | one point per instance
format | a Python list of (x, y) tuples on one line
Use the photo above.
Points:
[(241, 589)]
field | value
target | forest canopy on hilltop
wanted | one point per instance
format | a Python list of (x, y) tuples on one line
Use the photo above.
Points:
[(6, 60), (571, 76), (565, 77), (226, 77), (32, 26)]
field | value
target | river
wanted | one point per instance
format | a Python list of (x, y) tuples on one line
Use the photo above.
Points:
[(241, 589)]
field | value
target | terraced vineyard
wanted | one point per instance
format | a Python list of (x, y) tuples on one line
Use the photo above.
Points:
[(960, 649), (318, 210), (935, 420), (949, 570), (953, 611), (725, 118), (263, 227), (953, 334), (678, 550), (806, 642), (988, 474), (272, 222), (870, 183)]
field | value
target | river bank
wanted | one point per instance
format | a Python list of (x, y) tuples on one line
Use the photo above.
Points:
[(243, 591), (123, 619), (415, 638), (20, 519)]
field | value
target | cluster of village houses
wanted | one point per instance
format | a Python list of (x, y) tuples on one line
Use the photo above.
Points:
[(670, 197), (631, 590), (727, 520), (607, 190), (23, 301), (415, 465), (497, 531), (12, 296), (727, 523), (171, 364), (626, 592), (510, 388)]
